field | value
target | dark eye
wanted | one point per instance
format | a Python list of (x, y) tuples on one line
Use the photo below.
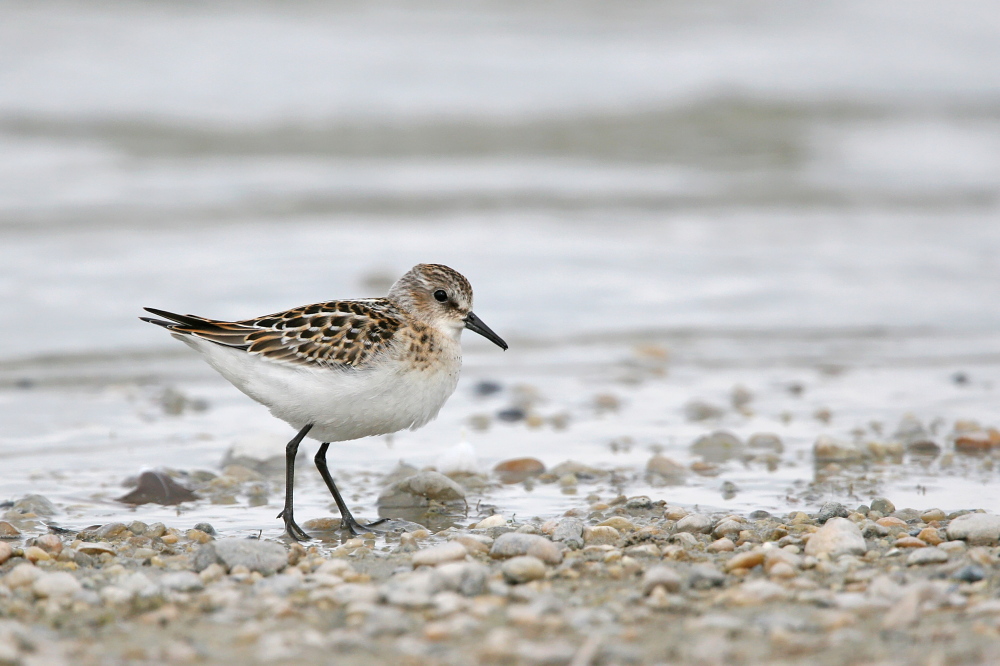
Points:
[(441, 295)]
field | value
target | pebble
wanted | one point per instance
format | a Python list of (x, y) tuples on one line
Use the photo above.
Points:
[(50, 543), (831, 510), (513, 544), (8, 531), (6, 551), (969, 574), (35, 504), (56, 584), (496, 520), (882, 505), (267, 557), (933, 514), (21, 575), (110, 531), (517, 470), (699, 410), (600, 535), (667, 469), (421, 488), (747, 560), (977, 529), (838, 536), (157, 488), (467, 578), (909, 542), (929, 555), (728, 527), (523, 569), (661, 576), (765, 440), (35, 554), (695, 523), (569, 531), (718, 447), (723, 545), (619, 523), (930, 535), (827, 449), (182, 581), (435, 555), (475, 544), (94, 548)]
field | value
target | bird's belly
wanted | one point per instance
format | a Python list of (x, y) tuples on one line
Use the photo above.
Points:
[(341, 404), (381, 403)]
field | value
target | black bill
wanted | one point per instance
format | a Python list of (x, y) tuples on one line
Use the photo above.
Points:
[(475, 324)]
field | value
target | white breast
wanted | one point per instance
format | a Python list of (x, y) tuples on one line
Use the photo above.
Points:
[(341, 404)]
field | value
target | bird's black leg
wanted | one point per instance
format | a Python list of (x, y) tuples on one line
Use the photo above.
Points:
[(347, 521), (291, 449)]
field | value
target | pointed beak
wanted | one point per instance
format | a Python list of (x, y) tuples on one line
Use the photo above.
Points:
[(475, 324)]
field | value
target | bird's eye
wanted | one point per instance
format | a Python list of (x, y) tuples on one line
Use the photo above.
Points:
[(441, 295)]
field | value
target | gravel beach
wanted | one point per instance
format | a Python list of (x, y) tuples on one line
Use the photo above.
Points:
[(630, 580)]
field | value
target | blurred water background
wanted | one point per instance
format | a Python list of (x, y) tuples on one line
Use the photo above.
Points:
[(769, 194)]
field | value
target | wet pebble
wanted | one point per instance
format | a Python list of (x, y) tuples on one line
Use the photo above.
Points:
[(517, 470), (828, 449), (419, 489), (496, 520), (666, 469), (8, 531), (717, 447)]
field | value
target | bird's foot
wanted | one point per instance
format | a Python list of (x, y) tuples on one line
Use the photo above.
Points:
[(292, 528), (357, 529)]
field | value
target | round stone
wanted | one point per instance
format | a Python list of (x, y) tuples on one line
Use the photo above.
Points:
[(523, 569)]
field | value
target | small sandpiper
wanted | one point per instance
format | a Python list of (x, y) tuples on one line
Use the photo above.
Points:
[(345, 369)]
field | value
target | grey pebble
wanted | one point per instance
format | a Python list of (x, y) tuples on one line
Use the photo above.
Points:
[(206, 528), (267, 557), (570, 532), (969, 574), (704, 576), (831, 510), (882, 505)]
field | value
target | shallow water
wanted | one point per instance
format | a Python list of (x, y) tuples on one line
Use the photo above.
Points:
[(772, 196)]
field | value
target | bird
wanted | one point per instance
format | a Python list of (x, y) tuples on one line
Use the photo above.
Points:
[(344, 369)]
